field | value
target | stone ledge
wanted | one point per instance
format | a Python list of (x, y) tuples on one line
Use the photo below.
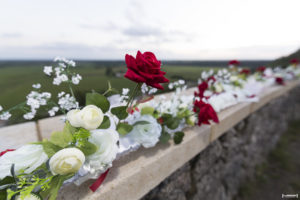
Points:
[(13, 137), (146, 168)]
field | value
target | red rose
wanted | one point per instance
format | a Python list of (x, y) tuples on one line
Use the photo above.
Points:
[(234, 62), (201, 87), (4, 152), (279, 81), (261, 69), (145, 68), (205, 112), (245, 71), (294, 61)]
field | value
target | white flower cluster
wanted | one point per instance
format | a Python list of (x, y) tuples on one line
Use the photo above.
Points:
[(53, 110), (148, 90), (76, 79), (61, 72), (35, 100), (66, 101), (5, 116), (176, 84), (64, 60), (36, 86)]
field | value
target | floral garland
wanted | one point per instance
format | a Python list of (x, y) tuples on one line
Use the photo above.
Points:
[(111, 125)]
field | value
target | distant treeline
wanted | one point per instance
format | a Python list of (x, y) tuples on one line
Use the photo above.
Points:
[(116, 63)]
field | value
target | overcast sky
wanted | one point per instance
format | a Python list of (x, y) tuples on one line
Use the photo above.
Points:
[(172, 29)]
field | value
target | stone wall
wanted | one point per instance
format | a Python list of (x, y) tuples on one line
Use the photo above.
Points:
[(218, 171)]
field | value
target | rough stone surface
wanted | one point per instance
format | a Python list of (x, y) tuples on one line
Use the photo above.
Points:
[(218, 171)]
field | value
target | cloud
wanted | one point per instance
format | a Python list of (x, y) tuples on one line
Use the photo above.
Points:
[(11, 35), (69, 50)]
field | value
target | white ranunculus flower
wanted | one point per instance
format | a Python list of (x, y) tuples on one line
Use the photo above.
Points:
[(146, 134), (27, 158), (66, 161), (106, 141), (73, 117), (90, 117), (233, 78)]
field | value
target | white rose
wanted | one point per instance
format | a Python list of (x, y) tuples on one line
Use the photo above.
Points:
[(233, 78), (73, 117), (146, 134), (106, 140), (66, 161), (30, 197), (90, 117), (219, 88), (27, 158)]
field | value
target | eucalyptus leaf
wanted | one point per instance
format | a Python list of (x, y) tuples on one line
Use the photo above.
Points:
[(105, 123), (98, 100), (178, 136), (124, 128), (164, 137), (120, 112)]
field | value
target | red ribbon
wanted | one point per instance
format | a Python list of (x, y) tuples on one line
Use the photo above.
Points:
[(99, 181), (4, 152)]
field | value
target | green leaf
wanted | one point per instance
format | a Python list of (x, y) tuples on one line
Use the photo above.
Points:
[(124, 128), (141, 123), (88, 148), (170, 121), (120, 112), (164, 137), (50, 148), (105, 124), (178, 136), (62, 139), (55, 185), (147, 110), (68, 128), (98, 100), (5, 181)]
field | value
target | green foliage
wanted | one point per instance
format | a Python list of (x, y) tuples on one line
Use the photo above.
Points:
[(141, 123), (54, 186), (170, 121), (147, 110), (98, 100), (50, 148), (124, 128), (4, 183), (105, 123), (29, 184), (178, 136), (164, 137), (87, 148), (61, 139), (120, 112)]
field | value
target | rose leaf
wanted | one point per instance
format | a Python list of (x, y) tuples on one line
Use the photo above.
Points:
[(98, 100)]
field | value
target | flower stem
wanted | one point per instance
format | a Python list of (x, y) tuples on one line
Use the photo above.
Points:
[(137, 87)]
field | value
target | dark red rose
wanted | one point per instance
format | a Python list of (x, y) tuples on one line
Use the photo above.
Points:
[(4, 152), (201, 87), (205, 112), (279, 81), (261, 69), (212, 78), (145, 68), (234, 62), (294, 61), (245, 71)]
